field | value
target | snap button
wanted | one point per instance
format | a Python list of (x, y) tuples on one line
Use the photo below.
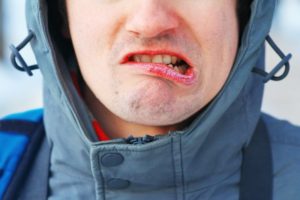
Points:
[(112, 159), (117, 184)]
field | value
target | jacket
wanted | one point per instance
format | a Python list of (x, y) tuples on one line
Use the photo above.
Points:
[(25, 160), (203, 161)]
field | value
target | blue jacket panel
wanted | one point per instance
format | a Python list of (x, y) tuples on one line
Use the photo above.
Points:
[(17, 132)]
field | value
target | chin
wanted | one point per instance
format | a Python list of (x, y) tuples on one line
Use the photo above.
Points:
[(154, 117)]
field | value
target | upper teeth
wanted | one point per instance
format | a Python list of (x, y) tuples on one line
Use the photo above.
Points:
[(165, 59)]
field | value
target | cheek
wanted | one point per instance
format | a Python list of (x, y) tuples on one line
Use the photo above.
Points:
[(93, 28), (218, 40), (92, 33)]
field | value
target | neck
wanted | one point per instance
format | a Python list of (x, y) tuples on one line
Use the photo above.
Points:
[(116, 127)]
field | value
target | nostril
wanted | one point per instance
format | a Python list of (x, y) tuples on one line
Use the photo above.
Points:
[(151, 20)]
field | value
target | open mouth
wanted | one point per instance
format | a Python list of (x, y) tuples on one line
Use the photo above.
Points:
[(173, 62), (166, 65)]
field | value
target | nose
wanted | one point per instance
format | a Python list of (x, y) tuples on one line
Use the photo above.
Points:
[(151, 18)]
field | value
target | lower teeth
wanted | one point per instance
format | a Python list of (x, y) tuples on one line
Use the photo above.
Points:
[(179, 68)]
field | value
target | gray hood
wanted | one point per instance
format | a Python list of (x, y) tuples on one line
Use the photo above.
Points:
[(201, 162)]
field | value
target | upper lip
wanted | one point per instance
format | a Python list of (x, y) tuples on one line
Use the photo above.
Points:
[(181, 56)]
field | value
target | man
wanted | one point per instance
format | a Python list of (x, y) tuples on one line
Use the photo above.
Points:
[(155, 99)]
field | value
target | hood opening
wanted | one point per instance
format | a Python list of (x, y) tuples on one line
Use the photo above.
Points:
[(243, 12), (59, 32)]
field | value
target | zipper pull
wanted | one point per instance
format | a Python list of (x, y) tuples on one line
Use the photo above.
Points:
[(140, 140)]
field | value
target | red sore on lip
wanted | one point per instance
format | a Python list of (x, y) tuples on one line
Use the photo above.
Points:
[(161, 70)]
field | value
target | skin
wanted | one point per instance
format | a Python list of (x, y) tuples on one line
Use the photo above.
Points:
[(126, 100)]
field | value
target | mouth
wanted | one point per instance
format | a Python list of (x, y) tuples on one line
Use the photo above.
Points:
[(165, 65)]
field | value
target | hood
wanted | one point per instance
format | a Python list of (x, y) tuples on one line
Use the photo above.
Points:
[(201, 162)]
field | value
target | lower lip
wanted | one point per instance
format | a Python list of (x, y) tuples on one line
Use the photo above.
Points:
[(163, 71)]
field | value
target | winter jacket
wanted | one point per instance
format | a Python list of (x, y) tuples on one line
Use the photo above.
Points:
[(202, 162)]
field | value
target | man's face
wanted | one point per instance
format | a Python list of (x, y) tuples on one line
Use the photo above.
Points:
[(154, 62)]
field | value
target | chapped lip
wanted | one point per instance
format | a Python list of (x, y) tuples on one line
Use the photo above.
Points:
[(161, 70)]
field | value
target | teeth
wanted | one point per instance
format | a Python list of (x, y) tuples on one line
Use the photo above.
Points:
[(173, 59), (157, 59), (180, 69), (145, 58), (164, 59), (136, 58), (177, 69), (167, 59)]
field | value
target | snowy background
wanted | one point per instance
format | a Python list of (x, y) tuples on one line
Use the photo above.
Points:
[(282, 99)]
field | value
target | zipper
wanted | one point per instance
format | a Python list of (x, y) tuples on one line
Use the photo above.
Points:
[(141, 140)]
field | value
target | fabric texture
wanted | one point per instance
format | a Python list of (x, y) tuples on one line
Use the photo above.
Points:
[(15, 135), (12, 148)]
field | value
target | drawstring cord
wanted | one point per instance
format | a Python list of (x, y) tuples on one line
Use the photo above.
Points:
[(15, 55), (283, 63)]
